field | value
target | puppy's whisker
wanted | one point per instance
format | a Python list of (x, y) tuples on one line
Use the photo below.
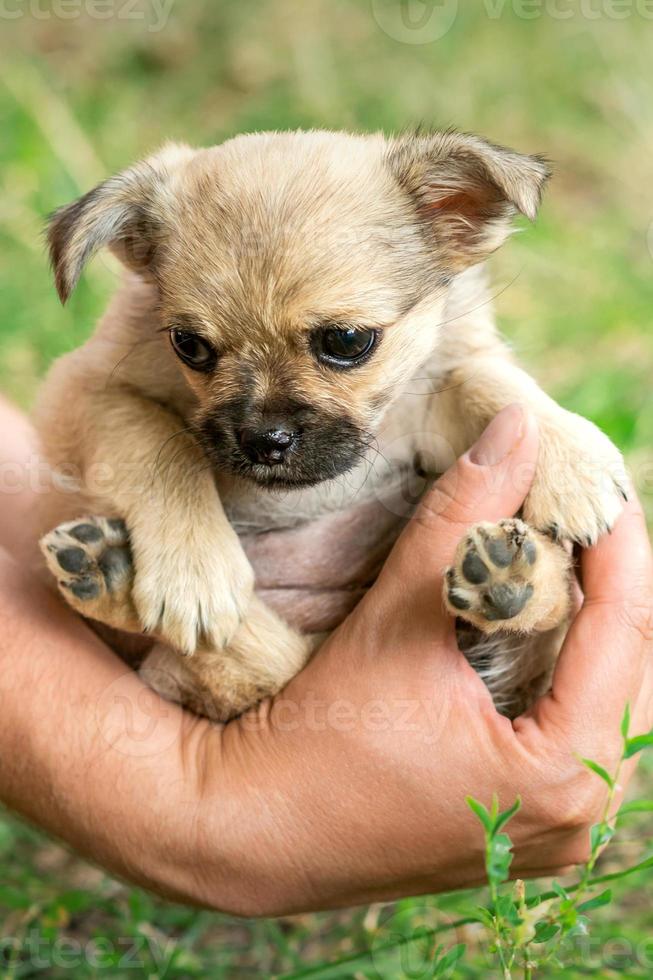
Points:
[(369, 463), (374, 444), (367, 476), (175, 435), (195, 470), (488, 301), (119, 364), (443, 388), (133, 348), (186, 430), (164, 474)]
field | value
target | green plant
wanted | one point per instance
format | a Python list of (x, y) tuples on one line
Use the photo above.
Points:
[(529, 933)]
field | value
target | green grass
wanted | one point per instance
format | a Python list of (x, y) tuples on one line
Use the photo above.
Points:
[(82, 98)]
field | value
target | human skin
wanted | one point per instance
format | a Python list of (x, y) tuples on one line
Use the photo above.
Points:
[(349, 786)]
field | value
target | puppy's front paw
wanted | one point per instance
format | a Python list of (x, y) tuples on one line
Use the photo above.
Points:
[(580, 482), (507, 577), (192, 593), (92, 563)]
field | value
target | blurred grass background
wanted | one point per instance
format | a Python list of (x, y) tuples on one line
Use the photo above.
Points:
[(81, 97)]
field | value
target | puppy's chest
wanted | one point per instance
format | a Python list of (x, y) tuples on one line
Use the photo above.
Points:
[(316, 552)]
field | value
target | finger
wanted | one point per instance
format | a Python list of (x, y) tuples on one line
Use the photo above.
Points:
[(488, 482), (18, 456), (621, 561), (607, 658)]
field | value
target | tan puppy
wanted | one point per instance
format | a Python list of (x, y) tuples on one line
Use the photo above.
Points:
[(305, 326)]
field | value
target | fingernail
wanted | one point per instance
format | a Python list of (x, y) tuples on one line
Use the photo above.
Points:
[(500, 437)]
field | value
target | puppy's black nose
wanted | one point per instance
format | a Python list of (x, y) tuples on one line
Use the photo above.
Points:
[(267, 446)]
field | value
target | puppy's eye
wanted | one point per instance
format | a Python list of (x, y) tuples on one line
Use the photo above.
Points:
[(344, 346), (193, 350)]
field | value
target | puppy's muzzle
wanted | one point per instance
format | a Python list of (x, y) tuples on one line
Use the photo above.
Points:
[(295, 445), (268, 445)]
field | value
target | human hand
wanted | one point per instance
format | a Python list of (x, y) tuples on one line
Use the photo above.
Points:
[(351, 785)]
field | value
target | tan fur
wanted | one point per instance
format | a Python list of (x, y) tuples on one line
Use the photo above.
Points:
[(256, 243)]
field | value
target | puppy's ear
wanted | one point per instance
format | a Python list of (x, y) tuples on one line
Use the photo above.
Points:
[(128, 212), (467, 191)]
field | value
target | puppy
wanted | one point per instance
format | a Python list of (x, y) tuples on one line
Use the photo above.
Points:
[(305, 325)]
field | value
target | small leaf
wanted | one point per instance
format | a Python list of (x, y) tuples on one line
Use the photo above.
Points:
[(545, 930), (597, 902), (508, 911), (560, 891), (600, 834), (625, 721), (636, 806), (567, 917), (600, 771), (449, 960), (494, 809), (481, 812), (503, 818), (485, 916), (499, 858), (636, 744)]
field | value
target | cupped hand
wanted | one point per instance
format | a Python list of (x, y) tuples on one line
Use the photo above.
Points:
[(352, 783), (350, 786)]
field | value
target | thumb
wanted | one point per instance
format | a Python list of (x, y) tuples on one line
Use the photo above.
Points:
[(490, 481)]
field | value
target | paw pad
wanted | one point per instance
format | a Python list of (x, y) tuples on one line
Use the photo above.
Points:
[(74, 560), (474, 568), (506, 600), (86, 533), (493, 572), (89, 558)]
